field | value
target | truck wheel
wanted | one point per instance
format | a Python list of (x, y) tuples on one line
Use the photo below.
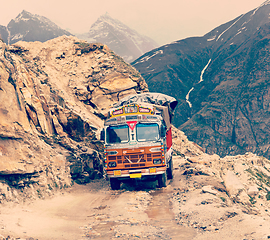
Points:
[(162, 180), (170, 170), (115, 184)]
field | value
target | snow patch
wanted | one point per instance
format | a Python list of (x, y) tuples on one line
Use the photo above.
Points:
[(263, 4), (187, 97), (237, 33), (21, 19), (255, 11), (202, 72), (17, 36), (211, 39), (146, 58), (229, 27)]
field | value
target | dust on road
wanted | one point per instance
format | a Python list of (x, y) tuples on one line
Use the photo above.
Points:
[(93, 211)]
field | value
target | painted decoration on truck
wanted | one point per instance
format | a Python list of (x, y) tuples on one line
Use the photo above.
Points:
[(132, 109), (118, 112), (131, 124), (144, 110)]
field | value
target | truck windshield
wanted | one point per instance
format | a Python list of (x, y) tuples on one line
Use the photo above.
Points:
[(147, 132), (117, 134)]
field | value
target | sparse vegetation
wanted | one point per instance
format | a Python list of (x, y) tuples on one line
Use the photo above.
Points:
[(223, 199), (39, 193), (268, 196), (252, 200), (87, 47), (260, 176)]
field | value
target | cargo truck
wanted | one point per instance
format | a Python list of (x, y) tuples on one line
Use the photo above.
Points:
[(137, 139)]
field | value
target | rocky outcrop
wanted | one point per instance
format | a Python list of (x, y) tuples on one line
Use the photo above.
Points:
[(182, 146), (53, 99), (219, 196)]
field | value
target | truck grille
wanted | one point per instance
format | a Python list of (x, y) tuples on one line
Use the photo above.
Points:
[(135, 159), (135, 165)]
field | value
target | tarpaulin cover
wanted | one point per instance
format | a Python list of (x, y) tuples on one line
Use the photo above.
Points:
[(164, 103), (152, 98)]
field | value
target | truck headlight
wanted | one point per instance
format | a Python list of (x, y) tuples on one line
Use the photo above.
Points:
[(112, 164), (157, 161)]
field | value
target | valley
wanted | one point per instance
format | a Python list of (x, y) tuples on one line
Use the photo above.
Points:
[(56, 94)]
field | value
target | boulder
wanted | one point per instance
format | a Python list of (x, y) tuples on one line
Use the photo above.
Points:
[(233, 184)]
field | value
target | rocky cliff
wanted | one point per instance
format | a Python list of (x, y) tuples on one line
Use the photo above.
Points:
[(53, 99)]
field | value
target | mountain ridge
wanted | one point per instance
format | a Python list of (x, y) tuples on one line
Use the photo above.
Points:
[(207, 74)]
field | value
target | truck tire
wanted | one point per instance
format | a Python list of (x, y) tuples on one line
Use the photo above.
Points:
[(115, 184), (170, 170), (162, 180)]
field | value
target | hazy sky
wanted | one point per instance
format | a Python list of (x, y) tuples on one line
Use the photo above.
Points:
[(162, 20)]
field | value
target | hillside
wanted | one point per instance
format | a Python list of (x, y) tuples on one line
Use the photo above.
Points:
[(221, 83)]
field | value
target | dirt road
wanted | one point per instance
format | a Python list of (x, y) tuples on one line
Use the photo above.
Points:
[(93, 211), (194, 205)]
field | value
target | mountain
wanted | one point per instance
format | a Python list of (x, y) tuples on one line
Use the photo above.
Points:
[(123, 40), (221, 81), (30, 27), (4, 33)]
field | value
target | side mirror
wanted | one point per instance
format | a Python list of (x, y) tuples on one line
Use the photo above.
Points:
[(163, 131), (102, 135)]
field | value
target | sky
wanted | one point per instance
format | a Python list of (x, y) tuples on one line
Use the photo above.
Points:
[(164, 21)]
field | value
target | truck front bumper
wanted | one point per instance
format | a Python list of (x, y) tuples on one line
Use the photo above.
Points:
[(136, 173)]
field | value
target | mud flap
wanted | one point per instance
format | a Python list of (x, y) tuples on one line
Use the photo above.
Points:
[(170, 169), (162, 180)]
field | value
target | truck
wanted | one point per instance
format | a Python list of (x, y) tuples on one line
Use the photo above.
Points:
[(137, 137)]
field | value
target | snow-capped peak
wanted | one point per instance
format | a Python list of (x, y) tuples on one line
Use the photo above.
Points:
[(108, 20), (125, 41), (32, 27), (26, 16)]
